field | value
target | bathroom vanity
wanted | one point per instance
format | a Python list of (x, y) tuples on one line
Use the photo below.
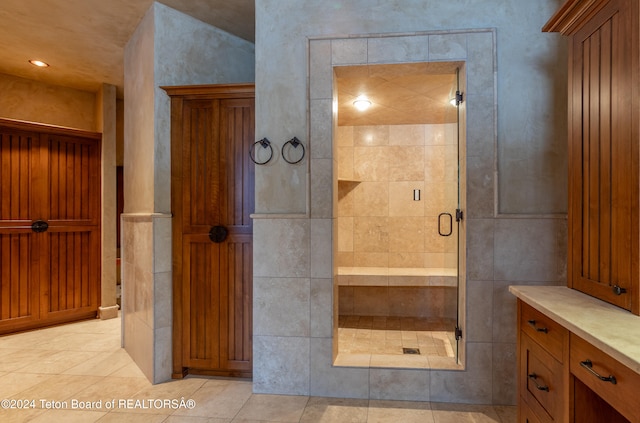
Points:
[(579, 345), (578, 358)]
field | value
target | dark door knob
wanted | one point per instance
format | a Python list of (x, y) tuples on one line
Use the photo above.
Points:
[(218, 234), (39, 226), (618, 290)]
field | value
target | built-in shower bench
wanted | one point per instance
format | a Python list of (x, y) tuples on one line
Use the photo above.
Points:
[(400, 292), (392, 276)]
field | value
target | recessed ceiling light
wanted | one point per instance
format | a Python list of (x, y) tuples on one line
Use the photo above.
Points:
[(39, 63), (362, 103)]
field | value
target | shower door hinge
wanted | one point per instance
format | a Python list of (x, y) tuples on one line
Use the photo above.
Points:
[(458, 215), (458, 333), (457, 99)]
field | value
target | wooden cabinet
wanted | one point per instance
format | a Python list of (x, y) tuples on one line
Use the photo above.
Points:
[(49, 225), (615, 383), (604, 115), (544, 331), (212, 197), (526, 415), (542, 371), (541, 381), (564, 378)]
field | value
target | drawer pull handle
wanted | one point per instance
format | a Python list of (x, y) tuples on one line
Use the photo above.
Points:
[(534, 378), (533, 324), (587, 364)]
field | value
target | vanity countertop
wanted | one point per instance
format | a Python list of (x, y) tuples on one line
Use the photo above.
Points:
[(607, 327)]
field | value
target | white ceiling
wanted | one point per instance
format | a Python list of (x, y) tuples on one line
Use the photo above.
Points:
[(84, 40)]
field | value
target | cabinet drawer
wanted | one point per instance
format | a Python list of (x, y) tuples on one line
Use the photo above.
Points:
[(544, 331), (525, 414), (541, 380), (623, 394)]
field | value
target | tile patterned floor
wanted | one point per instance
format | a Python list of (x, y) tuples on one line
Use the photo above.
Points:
[(379, 341), (79, 373)]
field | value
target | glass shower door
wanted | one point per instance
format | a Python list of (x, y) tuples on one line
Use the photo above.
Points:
[(459, 216)]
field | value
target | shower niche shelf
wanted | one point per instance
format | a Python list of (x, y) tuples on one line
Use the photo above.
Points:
[(345, 186)]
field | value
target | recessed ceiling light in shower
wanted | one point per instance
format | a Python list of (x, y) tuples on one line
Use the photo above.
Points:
[(39, 63), (362, 103)]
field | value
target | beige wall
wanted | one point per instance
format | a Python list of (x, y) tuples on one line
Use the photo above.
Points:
[(33, 101), (379, 222), (106, 122), (139, 134), (167, 48), (515, 172)]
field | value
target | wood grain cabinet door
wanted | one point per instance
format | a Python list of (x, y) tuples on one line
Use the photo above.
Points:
[(603, 158), (49, 226), (19, 273), (70, 248), (212, 200)]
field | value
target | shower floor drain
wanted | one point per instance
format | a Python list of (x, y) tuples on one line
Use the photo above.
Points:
[(410, 351)]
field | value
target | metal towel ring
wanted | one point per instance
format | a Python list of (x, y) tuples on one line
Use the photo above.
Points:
[(294, 142), (265, 143)]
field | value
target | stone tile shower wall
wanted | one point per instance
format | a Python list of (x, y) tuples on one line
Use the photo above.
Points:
[(379, 222), (294, 288), (381, 225)]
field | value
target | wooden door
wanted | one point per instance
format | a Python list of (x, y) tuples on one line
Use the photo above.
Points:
[(70, 248), (19, 273), (51, 177), (603, 158), (212, 194)]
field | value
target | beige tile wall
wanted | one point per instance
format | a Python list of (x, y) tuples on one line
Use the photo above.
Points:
[(146, 292), (398, 301), (379, 167), (299, 243)]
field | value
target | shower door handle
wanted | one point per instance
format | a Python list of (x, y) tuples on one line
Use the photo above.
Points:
[(440, 216)]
